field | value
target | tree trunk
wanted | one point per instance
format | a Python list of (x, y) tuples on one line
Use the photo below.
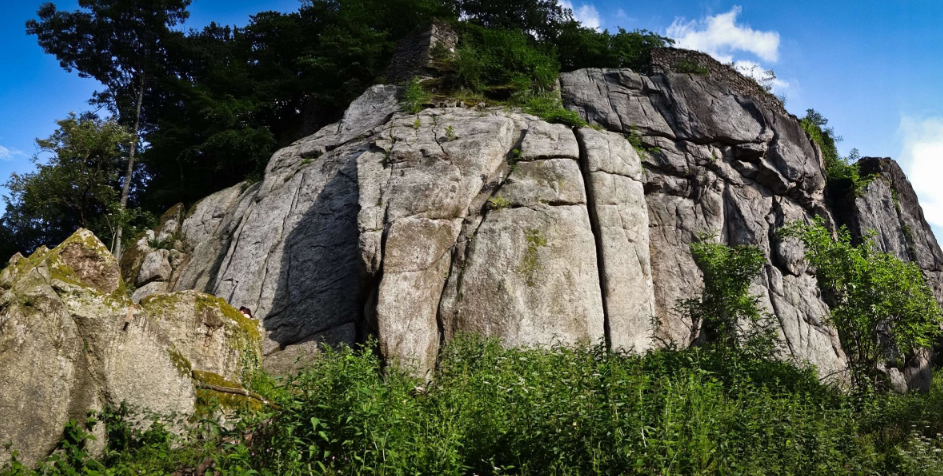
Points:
[(129, 173)]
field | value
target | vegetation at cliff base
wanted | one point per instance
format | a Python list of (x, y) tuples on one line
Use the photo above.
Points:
[(557, 410), (881, 306)]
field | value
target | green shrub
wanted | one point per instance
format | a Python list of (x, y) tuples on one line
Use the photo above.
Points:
[(690, 67), (880, 305), (842, 173), (503, 62), (414, 97), (726, 314), (557, 410), (549, 108)]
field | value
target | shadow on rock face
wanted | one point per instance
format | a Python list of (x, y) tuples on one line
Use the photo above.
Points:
[(319, 290)]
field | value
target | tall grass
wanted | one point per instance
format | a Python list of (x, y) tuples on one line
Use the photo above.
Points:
[(568, 412)]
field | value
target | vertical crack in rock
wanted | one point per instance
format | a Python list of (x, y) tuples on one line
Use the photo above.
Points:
[(597, 235)]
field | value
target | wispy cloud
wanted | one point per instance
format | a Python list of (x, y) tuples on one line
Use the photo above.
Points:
[(585, 14), (621, 15), (10, 154), (726, 40), (720, 36), (761, 75), (921, 156)]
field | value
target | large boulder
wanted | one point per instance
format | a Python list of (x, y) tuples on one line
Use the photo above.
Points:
[(71, 341)]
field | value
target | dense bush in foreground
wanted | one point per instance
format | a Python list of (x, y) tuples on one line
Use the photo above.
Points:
[(551, 411)]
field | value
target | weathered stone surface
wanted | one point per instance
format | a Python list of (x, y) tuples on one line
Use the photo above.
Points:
[(530, 278), (414, 227), (149, 289), (617, 205), (155, 267), (67, 346), (721, 164), (554, 182)]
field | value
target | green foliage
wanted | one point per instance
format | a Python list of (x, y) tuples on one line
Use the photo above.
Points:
[(414, 97), (77, 185), (842, 172), (580, 47), (880, 305), (498, 203), (726, 314), (450, 134), (549, 108), (553, 410), (501, 62), (635, 139)]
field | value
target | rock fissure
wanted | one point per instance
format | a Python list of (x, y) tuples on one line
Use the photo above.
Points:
[(597, 234)]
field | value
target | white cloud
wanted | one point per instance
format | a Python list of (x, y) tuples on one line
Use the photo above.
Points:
[(720, 36), (585, 14), (921, 157), (761, 75), (10, 154)]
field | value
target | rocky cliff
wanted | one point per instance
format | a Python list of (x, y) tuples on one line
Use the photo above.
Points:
[(415, 228)]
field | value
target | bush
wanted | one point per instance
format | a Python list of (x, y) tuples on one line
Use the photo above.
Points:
[(880, 305), (726, 314), (559, 410), (414, 97), (549, 108), (502, 62), (841, 172)]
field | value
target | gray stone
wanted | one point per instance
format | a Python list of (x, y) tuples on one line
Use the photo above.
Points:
[(149, 289), (72, 342), (529, 279), (155, 267), (620, 215)]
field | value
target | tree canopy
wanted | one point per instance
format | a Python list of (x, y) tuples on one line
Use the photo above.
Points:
[(208, 107)]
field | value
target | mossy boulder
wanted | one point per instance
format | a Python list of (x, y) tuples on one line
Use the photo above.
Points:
[(207, 331), (71, 342)]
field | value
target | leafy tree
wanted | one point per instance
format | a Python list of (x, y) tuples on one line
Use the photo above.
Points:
[(542, 19), (726, 314), (76, 187), (580, 47), (881, 306), (119, 43)]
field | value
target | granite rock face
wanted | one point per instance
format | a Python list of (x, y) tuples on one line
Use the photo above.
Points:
[(71, 341), (416, 228), (718, 163)]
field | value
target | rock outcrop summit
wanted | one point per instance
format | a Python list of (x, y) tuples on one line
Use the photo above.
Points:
[(417, 227)]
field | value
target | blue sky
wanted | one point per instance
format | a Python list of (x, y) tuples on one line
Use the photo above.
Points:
[(873, 69)]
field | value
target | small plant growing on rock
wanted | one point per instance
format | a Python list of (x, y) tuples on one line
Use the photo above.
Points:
[(414, 96), (691, 67), (417, 123), (450, 133), (498, 203), (643, 150)]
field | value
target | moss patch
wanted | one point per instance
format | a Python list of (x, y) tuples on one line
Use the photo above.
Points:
[(531, 262), (181, 363), (209, 400), (247, 326)]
